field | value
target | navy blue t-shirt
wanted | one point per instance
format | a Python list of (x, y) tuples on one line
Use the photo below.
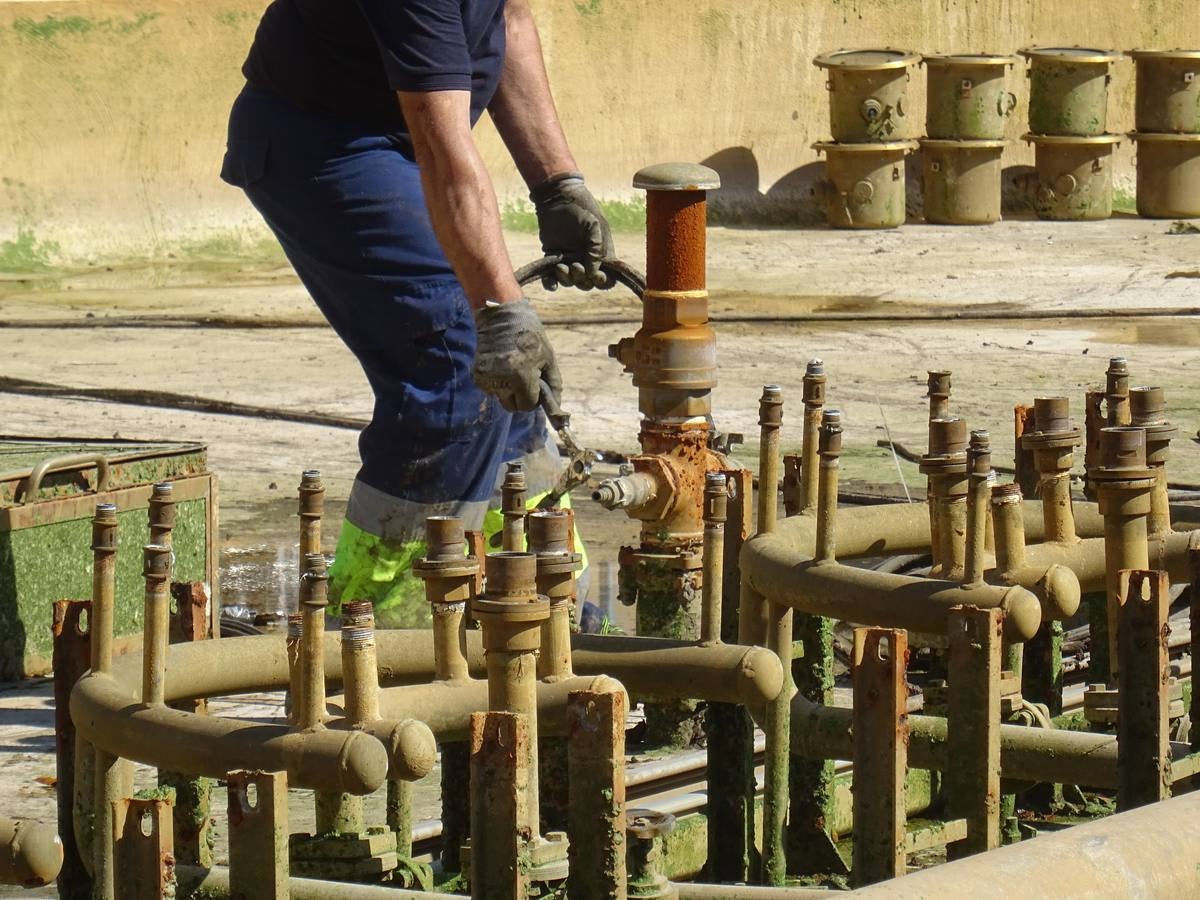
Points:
[(349, 58)]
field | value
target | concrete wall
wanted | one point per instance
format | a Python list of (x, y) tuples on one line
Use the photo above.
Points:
[(112, 114)]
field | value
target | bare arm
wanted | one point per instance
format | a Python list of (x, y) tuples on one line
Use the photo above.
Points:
[(522, 108), (459, 194)]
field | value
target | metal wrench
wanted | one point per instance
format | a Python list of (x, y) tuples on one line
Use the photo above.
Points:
[(579, 458)]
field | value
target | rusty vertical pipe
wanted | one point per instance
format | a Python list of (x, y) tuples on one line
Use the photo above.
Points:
[(109, 771), (557, 563), (1148, 407), (1008, 525), (946, 466), (880, 753), (512, 506), (1116, 393), (1124, 483), (716, 504), (979, 491), (292, 643), (156, 569), (830, 450), (511, 614), (1143, 726), (104, 585), (596, 775), (814, 404), (1053, 441), (938, 394), (72, 652), (162, 513), (973, 727), (360, 673), (314, 587), (449, 578), (770, 418), (311, 508)]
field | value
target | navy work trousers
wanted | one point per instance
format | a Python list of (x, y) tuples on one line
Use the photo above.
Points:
[(348, 209)]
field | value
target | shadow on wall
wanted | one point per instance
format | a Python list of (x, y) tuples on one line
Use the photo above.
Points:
[(795, 200)]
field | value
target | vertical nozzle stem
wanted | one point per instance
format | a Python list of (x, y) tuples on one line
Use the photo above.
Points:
[(1008, 525), (550, 541), (162, 514), (512, 506), (1116, 394), (295, 636), (827, 497), (104, 585), (314, 586), (360, 672), (770, 418), (979, 489), (156, 568), (716, 503), (814, 403), (938, 392), (449, 576), (311, 508), (1052, 420)]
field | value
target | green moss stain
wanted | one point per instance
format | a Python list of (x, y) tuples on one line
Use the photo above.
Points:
[(26, 253), (235, 18), (588, 7), (715, 26), (52, 28)]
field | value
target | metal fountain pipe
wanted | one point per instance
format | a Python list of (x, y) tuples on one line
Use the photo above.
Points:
[(1008, 527), (449, 577), (512, 506), (1116, 394), (716, 504), (830, 450), (557, 563), (156, 632), (360, 673), (107, 772), (292, 642), (311, 508), (1124, 482), (814, 403), (511, 614), (946, 467), (314, 586), (104, 585), (938, 394), (770, 418), (162, 513), (979, 467), (1148, 408), (1053, 441)]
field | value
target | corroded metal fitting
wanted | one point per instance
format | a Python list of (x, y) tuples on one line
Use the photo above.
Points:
[(947, 447), (1122, 456), (770, 406), (161, 512), (314, 583), (677, 177), (1118, 376), (358, 624), (104, 528), (829, 442), (513, 489), (644, 832), (156, 563), (979, 454), (1148, 410), (938, 392), (550, 542), (1006, 494), (444, 546), (1052, 425), (511, 610), (814, 383), (295, 626), (312, 494), (716, 498)]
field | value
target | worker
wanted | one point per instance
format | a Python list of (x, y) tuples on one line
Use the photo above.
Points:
[(353, 139)]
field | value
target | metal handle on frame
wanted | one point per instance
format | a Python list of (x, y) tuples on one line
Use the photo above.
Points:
[(33, 482)]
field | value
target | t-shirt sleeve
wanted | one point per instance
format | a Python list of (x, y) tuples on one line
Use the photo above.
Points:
[(422, 43)]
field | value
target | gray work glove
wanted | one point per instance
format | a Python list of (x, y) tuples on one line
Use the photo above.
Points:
[(512, 354), (571, 224)]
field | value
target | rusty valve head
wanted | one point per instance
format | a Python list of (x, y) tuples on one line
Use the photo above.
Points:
[(104, 528), (162, 506), (770, 406), (648, 824), (814, 383), (156, 563), (312, 494), (314, 583), (979, 453), (829, 440), (716, 498), (1004, 494), (1148, 409), (358, 624), (947, 447), (1122, 455), (550, 542), (444, 556), (511, 609), (938, 385)]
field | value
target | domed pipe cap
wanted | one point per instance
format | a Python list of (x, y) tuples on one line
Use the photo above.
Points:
[(677, 176)]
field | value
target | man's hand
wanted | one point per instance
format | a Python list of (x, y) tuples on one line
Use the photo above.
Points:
[(512, 354), (571, 224)]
